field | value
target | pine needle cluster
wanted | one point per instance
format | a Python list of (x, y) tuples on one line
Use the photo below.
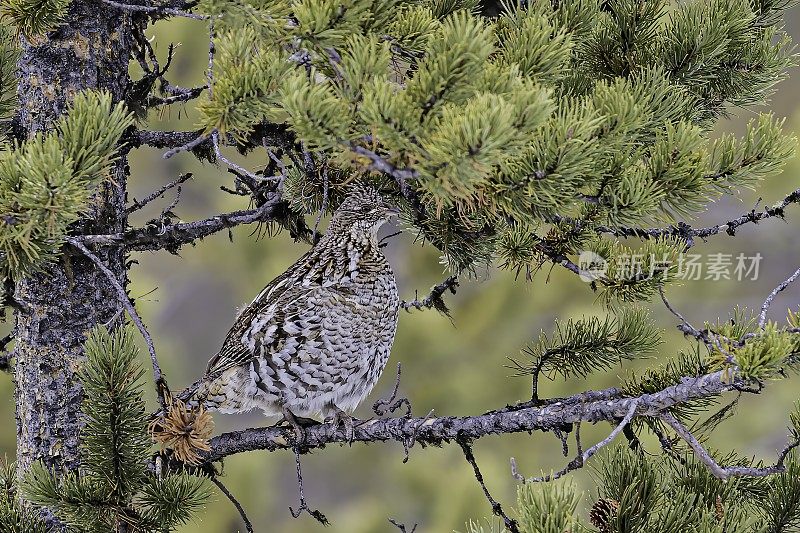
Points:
[(577, 348), (46, 182), (508, 122), (638, 494), (114, 488)]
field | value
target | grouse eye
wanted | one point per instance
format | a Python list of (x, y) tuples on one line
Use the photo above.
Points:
[(366, 208)]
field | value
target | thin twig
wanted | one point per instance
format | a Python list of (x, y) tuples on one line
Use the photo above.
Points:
[(402, 527), (434, 298), (200, 139), (161, 385), (232, 165), (315, 513), (154, 10), (583, 456), (235, 502), (138, 204), (684, 326), (708, 337), (497, 509), (724, 472), (762, 318), (172, 205)]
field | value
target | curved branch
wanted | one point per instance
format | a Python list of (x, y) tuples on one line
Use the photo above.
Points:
[(438, 430)]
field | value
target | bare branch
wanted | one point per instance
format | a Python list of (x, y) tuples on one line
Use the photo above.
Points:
[(236, 168), (173, 236), (190, 145), (497, 509), (162, 390), (582, 457), (724, 472), (235, 502), (687, 233), (589, 407), (138, 204), (762, 319), (155, 10)]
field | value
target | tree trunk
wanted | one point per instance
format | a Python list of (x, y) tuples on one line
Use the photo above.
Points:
[(57, 307)]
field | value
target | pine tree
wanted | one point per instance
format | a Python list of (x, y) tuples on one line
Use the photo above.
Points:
[(511, 135)]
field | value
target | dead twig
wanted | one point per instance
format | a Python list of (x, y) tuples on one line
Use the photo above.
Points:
[(497, 509), (724, 472), (162, 390), (235, 502), (580, 460), (138, 204), (434, 298), (762, 318), (402, 527)]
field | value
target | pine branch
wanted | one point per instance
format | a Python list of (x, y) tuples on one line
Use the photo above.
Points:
[(171, 237), (439, 430)]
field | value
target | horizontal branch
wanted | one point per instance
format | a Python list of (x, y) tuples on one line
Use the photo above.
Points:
[(438, 430), (688, 233), (172, 236)]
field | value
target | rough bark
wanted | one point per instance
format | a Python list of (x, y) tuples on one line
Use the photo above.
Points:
[(57, 307)]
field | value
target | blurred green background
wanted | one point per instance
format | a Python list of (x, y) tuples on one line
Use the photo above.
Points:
[(455, 367)]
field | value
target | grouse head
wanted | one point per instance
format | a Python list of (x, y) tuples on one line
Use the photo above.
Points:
[(361, 213)]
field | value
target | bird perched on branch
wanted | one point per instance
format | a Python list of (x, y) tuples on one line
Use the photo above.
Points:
[(316, 339)]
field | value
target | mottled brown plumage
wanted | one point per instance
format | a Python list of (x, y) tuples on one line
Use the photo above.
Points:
[(317, 338)]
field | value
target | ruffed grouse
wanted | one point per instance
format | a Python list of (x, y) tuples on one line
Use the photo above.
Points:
[(316, 338)]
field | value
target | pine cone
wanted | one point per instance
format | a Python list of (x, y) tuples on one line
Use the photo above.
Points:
[(602, 513)]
